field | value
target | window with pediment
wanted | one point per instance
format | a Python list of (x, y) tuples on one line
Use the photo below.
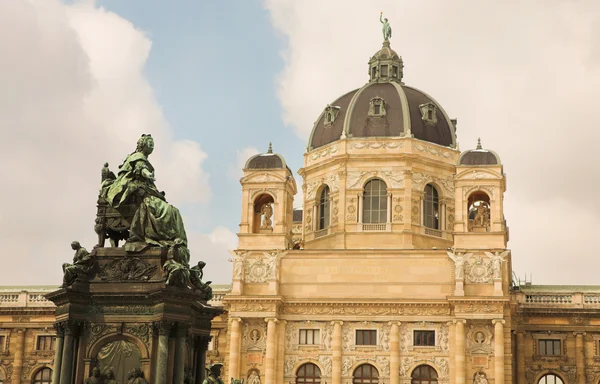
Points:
[(377, 107), (331, 113)]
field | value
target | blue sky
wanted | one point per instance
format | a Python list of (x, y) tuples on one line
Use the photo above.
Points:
[(212, 67)]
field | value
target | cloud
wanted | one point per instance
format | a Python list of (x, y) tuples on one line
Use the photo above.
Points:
[(527, 85), (73, 96), (236, 171), (214, 246)]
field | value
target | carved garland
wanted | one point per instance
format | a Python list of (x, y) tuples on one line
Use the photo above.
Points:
[(345, 309), (394, 179), (376, 145)]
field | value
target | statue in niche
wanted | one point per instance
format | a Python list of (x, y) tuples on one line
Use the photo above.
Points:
[(480, 378), (136, 376), (253, 378), (459, 263), (482, 216), (156, 223), (386, 29), (479, 337), (82, 262), (266, 212), (94, 378), (214, 377), (255, 335)]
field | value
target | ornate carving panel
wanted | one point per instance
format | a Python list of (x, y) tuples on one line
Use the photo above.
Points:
[(397, 208), (262, 269), (439, 363), (393, 179), (478, 308), (351, 209), (322, 154), (479, 339), (478, 270), (431, 150), (376, 145), (407, 335), (254, 336), (333, 181)]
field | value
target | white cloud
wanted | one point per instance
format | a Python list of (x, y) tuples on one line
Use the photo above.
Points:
[(522, 75), (236, 171), (73, 96), (214, 249)]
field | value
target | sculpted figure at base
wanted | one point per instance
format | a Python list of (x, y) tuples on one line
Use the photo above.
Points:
[(459, 263), (497, 259), (196, 275), (136, 376), (82, 262), (480, 378), (156, 222), (253, 378), (110, 377), (177, 269), (95, 378), (215, 375)]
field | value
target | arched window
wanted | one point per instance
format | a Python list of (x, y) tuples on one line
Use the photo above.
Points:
[(375, 202), (424, 374), (43, 376), (365, 374), (324, 212), (550, 379), (431, 208), (308, 374)]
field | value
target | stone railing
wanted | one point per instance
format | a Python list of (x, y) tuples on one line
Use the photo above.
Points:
[(567, 300), (23, 298)]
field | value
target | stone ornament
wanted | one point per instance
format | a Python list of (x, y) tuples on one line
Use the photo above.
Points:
[(324, 153), (480, 378), (459, 262), (333, 181), (440, 364), (253, 337), (431, 150), (266, 212), (238, 262), (253, 378), (393, 179), (260, 270), (497, 258), (407, 335), (128, 268), (479, 339), (376, 145), (478, 270)]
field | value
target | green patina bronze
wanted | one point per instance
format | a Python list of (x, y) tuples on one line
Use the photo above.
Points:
[(385, 28), (156, 222), (82, 262)]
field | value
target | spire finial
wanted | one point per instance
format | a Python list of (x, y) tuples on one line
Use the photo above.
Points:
[(479, 143), (270, 150)]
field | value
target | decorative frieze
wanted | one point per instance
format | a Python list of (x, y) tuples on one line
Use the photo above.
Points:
[(365, 309), (376, 145), (254, 336), (393, 179), (485, 308), (431, 150), (262, 269)]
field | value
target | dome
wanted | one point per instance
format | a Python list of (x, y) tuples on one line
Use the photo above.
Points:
[(384, 107), (267, 160), (479, 156)]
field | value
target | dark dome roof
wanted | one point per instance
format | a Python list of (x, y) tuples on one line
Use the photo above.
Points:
[(267, 160), (384, 107), (404, 108), (479, 156)]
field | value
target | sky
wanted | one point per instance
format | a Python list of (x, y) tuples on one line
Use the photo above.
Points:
[(215, 82)]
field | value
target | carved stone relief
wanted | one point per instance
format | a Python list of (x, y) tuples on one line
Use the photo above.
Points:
[(326, 364), (496, 259), (479, 339), (439, 363), (349, 361), (261, 269), (127, 268), (478, 270), (308, 220), (351, 209), (263, 178), (432, 150), (334, 212), (398, 208), (290, 363), (333, 181), (478, 308), (254, 336), (407, 335), (376, 145), (260, 191), (416, 210), (323, 153), (393, 179), (238, 263), (420, 180), (467, 190)]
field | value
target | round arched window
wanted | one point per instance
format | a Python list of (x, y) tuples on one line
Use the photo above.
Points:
[(308, 373), (424, 374), (375, 202), (43, 376), (365, 374), (550, 379)]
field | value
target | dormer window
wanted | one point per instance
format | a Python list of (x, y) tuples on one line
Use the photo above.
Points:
[(428, 113), (377, 107), (373, 73), (331, 112)]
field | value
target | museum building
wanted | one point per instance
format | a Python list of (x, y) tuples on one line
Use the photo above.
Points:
[(395, 271)]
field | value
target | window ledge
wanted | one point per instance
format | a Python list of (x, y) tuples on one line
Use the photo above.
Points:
[(383, 227)]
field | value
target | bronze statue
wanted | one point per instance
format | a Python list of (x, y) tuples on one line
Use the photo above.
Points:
[(82, 262), (176, 267), (385, 28), (136, 376), (110, 377), (196, 275), (215, 375), (155, 222), (95, 378)]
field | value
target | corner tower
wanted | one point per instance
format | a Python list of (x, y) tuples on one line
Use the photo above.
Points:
[(268, 189)]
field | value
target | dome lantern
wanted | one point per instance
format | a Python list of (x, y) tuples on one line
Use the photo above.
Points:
[(386, 65)]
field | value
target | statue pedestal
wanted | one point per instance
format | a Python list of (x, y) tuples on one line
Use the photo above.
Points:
[(459, 289), (126, 313), (498, 287)]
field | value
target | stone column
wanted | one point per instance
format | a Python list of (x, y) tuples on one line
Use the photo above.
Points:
[(162, 352), (580, 357), (19, 353), (395, 353), (459, 355), (179, 361), (58, 351), (235, 342), (359, 205), (271, 350), (336, 354), (498, 351), (280, 361), (66, 367), (389, 209), (520, 357), (201, 349)]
